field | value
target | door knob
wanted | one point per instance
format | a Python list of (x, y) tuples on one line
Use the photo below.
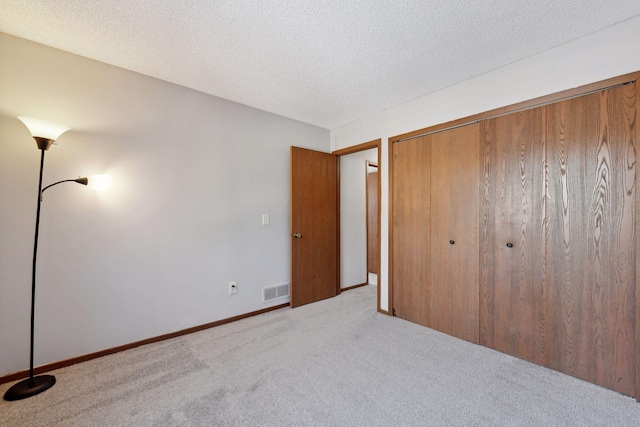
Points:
[(509, 245), (297, 235), (451, 241)]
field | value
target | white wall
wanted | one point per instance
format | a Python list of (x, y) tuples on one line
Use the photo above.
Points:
[(608, 53), (193, 175), (353, 217)]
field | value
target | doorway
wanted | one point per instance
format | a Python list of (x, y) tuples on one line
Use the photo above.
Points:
[(359, 215), (315, 183)]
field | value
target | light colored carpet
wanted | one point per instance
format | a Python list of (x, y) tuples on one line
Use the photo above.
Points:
[(333, 363)]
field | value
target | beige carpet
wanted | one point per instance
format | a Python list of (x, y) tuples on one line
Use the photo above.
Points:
[(334, 363)]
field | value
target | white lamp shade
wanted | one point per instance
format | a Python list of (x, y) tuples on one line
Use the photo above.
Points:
[(43, 129), (99, 182)]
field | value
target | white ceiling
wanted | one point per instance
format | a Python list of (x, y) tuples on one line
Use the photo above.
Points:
[(324, 62)]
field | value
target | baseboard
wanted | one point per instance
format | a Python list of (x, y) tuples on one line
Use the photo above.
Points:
[(72, 361), (353, 287)]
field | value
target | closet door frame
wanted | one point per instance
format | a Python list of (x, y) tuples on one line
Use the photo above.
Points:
[(525, 105)]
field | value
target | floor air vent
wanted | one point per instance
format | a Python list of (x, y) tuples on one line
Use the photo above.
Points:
[(271, 293)]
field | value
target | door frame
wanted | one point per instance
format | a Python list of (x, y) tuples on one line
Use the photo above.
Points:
[(377, 144)]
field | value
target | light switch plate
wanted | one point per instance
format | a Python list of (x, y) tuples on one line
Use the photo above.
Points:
[(265, 219)]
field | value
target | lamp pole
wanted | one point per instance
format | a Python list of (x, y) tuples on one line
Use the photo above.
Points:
[(45, 134), (33, 272), (34, 385)]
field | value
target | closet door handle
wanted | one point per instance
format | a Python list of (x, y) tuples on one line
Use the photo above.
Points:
[(451, 241), (509, 245)]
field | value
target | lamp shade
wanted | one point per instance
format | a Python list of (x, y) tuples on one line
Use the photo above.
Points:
[(99, 182), (43, 129)]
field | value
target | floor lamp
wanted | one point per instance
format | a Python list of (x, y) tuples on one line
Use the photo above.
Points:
[(45, 134)]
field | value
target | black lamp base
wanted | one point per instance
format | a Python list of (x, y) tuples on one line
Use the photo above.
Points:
[(27, 388)]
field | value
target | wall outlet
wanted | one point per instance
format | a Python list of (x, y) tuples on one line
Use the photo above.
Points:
[(233, 287)]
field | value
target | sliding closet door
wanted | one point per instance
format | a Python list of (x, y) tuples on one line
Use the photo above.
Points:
[(411, 229), (591, 258), (637, 238), (512, 314), (453, 303)]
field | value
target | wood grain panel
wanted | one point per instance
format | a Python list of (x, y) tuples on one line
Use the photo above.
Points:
[(512, 300), (591, 258), (314, 214), (453, 305), (635, 154), (411, 228)]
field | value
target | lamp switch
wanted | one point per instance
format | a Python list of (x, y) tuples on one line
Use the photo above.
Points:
[(265, 219), (233, 288)]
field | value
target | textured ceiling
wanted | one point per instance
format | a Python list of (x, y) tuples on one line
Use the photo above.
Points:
[(324, 62)]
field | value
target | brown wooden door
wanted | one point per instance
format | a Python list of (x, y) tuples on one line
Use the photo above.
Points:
[(592, 160), (314, 226), (411, 181), (453, 303), (512, 311), (372, 222), (435, 202)]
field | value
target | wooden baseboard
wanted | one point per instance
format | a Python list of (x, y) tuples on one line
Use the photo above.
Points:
[(72, 361), (353, 287)]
